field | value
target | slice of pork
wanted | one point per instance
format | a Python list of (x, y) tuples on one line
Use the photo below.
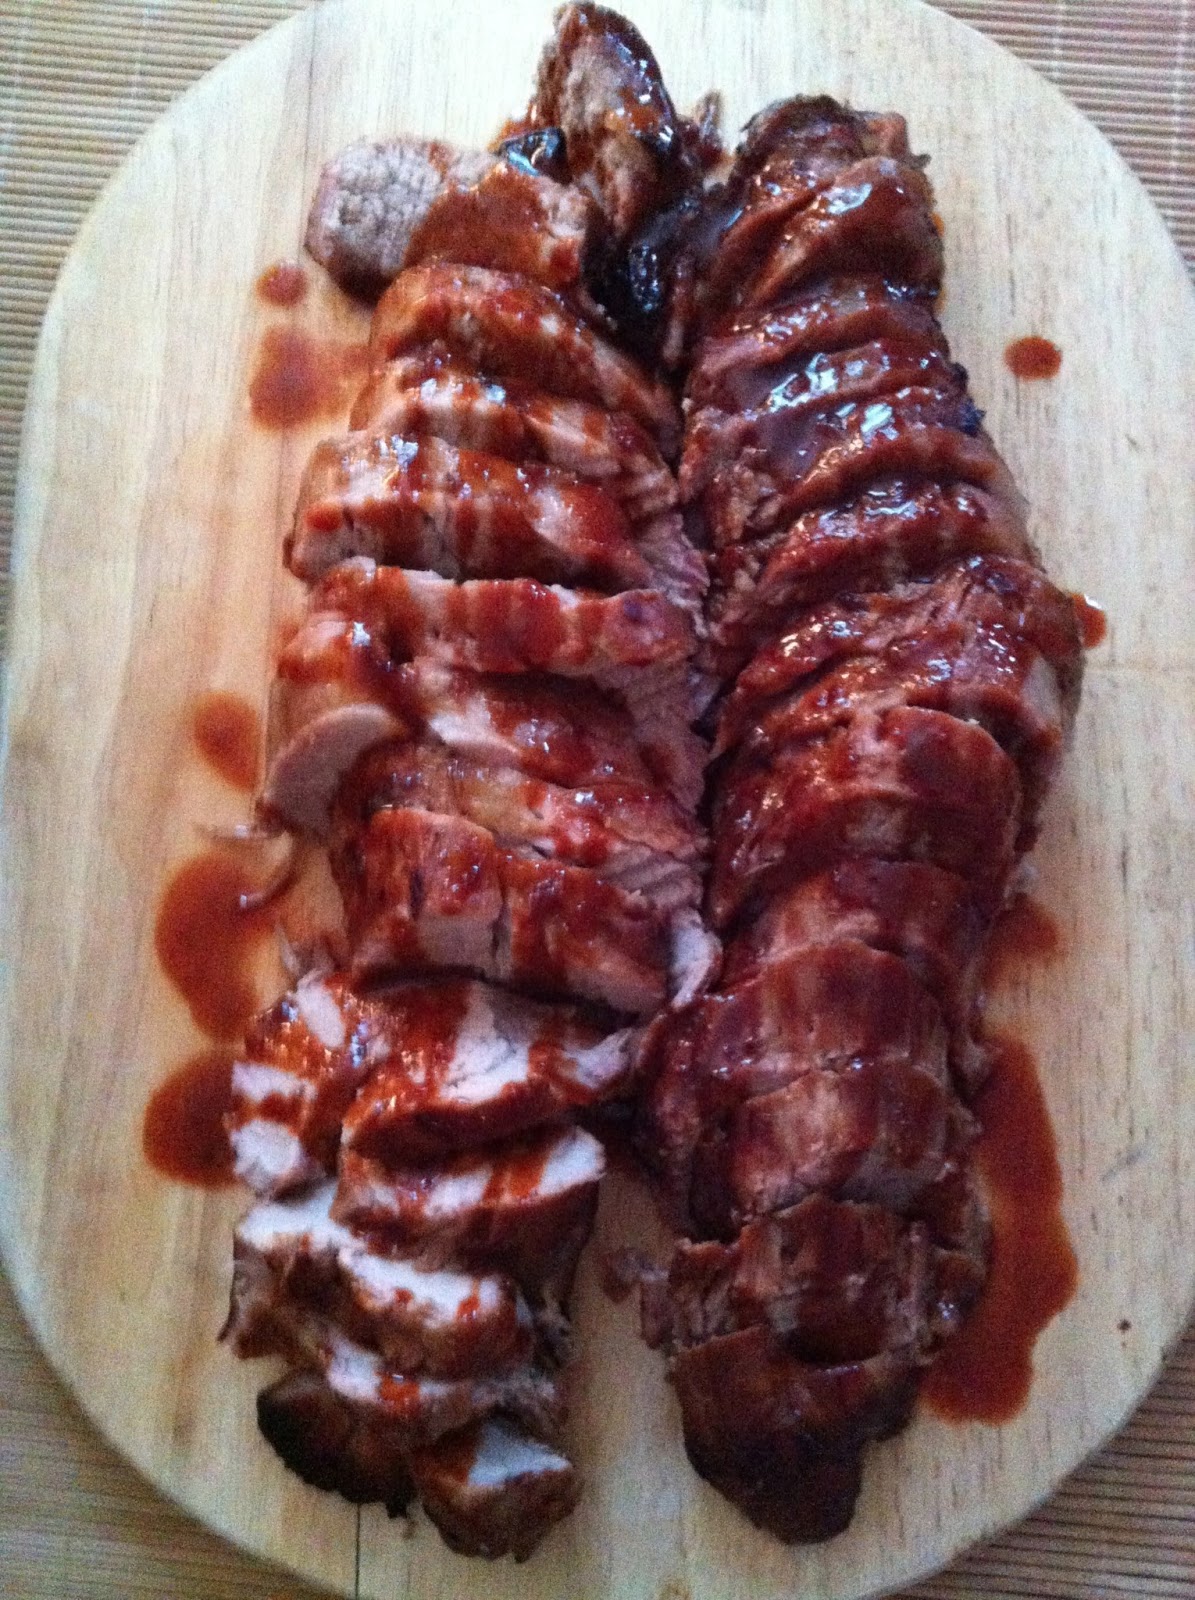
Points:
[(338, 694), (373, 196), (513, 219), (504, 326), (291, 1258), (423, 394), (304, 1060), (494, 1489), (523, 1207), (633, 835), (425, 892), (470, 1064), (418, 502), (508, 625)]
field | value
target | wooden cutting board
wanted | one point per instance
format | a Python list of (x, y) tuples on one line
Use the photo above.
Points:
[(148, 517)]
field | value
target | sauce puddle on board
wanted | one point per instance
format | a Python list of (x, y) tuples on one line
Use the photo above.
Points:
[(299, 378), (207, 941), (1033, 357), (227, 734), (985, 1372), (183, 1134), (283, 284)]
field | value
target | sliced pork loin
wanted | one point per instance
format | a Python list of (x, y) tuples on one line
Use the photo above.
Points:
[(907, 783), (412, 1072), (507, 327), (494, 1489), (428, 394), (523, 1206), (305, 1058), (412, 1411), (512, 218), (290, 1257), (836, 1280)]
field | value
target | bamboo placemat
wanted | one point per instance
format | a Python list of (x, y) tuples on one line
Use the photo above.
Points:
[(79, 80)]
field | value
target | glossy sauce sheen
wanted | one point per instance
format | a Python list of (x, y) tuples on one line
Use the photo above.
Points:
[(227, 734), (183, 1134), (206, 943), (985, 1372), (1033, 357), (298, 378), (283, 284)]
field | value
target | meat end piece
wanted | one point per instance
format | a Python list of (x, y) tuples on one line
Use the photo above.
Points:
[(494, 1489), (331, 1445), (524, 1208), (600, 84), (782, 1438), (372, 198)]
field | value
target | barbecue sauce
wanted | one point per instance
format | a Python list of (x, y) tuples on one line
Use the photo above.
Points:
[(184, 1135), (206, 941), (1033, 357), (984, 1373), (1092, 620), (1025, 932), (299, 378), (227, 734), (283, 284)]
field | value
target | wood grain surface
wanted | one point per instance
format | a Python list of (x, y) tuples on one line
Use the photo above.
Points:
[(147, 526)]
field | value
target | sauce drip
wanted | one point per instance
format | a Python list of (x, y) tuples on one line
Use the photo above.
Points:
[(283, 284), (1092, 620), (1024, 933), (984, 1373), (206, 941), (299, 378), (227, 733), (183, 1134), (1033, 357)]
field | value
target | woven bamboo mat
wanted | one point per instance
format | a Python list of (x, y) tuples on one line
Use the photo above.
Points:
[(79, 80)]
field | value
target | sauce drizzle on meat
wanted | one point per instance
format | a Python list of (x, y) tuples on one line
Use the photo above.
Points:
[(1033, 357), (985, 1372), (183, 1134), (227, 734)]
